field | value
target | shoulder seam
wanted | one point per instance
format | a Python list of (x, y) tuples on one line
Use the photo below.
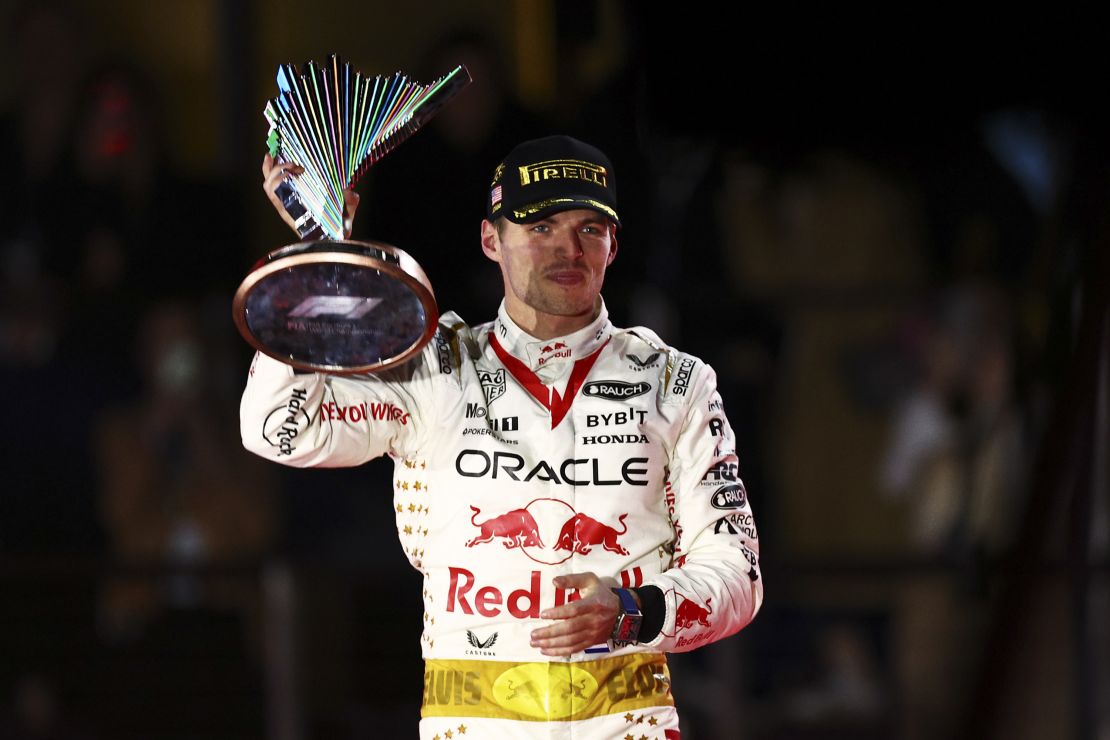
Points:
[(658, 346), (684, 368)]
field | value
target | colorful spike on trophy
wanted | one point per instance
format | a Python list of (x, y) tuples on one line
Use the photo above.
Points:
[(336, 124), (327, 303)]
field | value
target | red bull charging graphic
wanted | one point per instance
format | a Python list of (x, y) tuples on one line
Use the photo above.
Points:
[(515, 528), (690, 613), (582, 532), (548, 531)]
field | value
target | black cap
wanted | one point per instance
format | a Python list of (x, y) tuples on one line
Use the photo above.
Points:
[(544, 176)]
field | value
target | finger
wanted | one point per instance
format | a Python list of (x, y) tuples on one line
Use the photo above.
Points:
[(579, 581), (569, 650), (270, 186), (571, 643), (581, 637), (562, 636), (350, 206), (351, 199), (574, 609), (269, 165), (577, 638), (281, 172), (557, 630), (273, 179), (593, 623)]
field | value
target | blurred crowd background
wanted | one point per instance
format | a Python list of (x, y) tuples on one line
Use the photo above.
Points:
[(895, 255)]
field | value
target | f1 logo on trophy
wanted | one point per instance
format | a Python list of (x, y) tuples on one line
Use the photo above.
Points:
[(328, 303)]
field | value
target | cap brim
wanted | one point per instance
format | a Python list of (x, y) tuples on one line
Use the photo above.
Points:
[(532, 212)]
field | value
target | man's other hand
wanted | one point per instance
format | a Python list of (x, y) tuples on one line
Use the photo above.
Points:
[(581, 623)]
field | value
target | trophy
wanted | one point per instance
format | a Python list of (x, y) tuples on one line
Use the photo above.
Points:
[(328, 303)]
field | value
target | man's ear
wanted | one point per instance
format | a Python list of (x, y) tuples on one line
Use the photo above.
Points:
[(491, 240), (612, 246)]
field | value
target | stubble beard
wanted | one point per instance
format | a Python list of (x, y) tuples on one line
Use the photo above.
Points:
[(550, 301)]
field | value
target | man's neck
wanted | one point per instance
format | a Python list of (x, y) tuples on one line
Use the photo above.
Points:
[(545, 325)]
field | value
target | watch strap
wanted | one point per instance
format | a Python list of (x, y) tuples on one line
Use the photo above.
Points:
[(628, 601)]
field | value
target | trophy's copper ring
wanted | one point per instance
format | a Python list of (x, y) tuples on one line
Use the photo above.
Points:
[(384, 258)]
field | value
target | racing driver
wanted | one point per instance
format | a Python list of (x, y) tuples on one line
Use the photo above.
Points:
[(568, 490)]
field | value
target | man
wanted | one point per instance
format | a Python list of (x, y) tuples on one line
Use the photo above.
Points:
[(568, 490)]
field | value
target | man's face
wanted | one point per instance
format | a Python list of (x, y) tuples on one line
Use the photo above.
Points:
[(556, 265)]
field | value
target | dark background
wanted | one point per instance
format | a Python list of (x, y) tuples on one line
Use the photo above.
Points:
[(888, 234)]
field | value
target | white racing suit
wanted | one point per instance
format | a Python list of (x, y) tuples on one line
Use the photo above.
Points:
[(518, 460)]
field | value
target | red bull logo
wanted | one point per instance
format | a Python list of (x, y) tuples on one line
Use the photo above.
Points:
[(690, 613), (516, 528), (551, 352), (549, 531), (492, 601), (581, 533), (477, 594), (525, 688), (693, 640)]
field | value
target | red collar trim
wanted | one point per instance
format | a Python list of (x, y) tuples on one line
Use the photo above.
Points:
[(549, 397)]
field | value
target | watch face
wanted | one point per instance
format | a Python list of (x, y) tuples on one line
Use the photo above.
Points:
[(627, 628)]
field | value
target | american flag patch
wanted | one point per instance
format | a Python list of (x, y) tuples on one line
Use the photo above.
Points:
[(495, 196)]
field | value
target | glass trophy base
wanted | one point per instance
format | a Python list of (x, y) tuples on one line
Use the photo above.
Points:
[(340, 307)]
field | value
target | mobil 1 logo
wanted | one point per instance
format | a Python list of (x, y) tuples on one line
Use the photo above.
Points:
[(503, 424)]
